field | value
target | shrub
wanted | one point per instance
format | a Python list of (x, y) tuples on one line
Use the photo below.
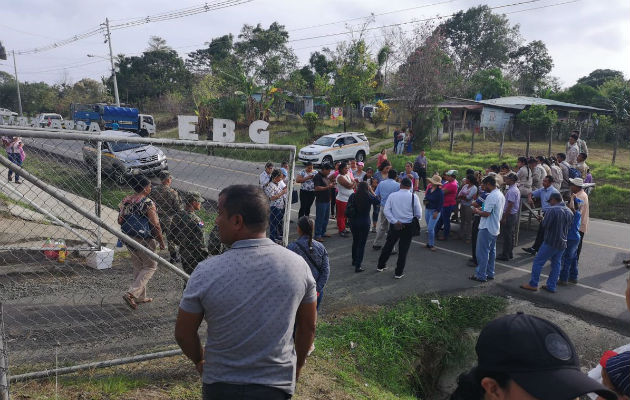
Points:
[(381, 113), (311, 120)]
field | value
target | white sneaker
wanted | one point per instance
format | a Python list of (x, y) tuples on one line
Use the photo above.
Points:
[(398, 276), (310, 350)]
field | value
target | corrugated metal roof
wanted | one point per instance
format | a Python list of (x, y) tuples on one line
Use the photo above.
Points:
[(520, 102)]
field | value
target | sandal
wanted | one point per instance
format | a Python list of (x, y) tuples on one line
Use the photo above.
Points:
[(130, 301), (145, 300)]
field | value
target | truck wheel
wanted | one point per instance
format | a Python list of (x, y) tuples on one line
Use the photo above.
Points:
[(360, 157), (327, 160), (143, 133)]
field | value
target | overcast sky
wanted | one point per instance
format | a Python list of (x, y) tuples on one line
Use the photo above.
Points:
[(581, 36)]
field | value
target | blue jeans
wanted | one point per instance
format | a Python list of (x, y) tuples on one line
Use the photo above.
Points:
[(400, 147), (445, 220), (431, 222), (569, 266), (486, 252), (376, 208), (15, 158), (276, 217), (322, 212), (545, 253)]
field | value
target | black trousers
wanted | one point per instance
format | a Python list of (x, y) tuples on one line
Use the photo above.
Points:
[(422, 174), (333, 201), (360, 233), (227, 391), (306, 202), (507, 234), (393, 236), (473, 236), (579, 249)]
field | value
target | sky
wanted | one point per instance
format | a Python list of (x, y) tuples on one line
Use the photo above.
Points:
[(581, 36)]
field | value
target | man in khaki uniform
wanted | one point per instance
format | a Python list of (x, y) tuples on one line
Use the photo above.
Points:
[(168, 204), (187, 231)]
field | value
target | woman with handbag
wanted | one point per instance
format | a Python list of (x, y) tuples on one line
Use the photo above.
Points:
[(138, 218), (358, 210), (433, 202)]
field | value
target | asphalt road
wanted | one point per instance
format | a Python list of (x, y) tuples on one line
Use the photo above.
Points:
[(599, 296), (191, 171)]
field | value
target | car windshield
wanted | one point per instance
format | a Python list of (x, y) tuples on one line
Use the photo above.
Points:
[(325, 141), (123, 146)]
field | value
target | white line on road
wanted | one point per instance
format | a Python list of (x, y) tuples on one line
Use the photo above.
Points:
[(196, 184), (213, 166)]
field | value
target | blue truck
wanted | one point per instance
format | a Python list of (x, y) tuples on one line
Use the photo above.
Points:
[(127, 118)]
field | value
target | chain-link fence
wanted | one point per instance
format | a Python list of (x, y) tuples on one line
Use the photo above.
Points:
[(62, 298)]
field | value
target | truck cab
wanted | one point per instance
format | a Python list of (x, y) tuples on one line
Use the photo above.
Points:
[(146, 124)]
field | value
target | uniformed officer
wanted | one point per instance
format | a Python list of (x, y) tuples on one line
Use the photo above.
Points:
[(188, 233), (168, 204)]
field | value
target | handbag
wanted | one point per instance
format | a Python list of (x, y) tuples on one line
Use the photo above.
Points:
[(137, 224), (415, 224), (294, 196)]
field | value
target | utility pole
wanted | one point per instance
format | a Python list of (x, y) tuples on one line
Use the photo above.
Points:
[(17, 82), (111, 60)]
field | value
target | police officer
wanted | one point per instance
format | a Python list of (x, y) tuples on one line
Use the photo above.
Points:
[(187, 232), (168, 203)]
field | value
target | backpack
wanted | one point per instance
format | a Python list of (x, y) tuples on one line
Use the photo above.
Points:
[(574, 173), (137, 223)]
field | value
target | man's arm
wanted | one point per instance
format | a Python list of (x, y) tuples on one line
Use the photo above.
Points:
[(387, 211), (305, 323), (187, 337)]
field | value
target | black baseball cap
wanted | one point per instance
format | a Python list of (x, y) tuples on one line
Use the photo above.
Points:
[(537, 355)]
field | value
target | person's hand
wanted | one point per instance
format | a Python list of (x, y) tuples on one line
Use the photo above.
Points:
[(539, 218), (435, 214), (162, 245), (199, 367), (398, 225), (530, 202)]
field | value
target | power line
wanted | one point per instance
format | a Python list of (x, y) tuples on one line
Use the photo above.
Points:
[(371, 15), (207, 7)]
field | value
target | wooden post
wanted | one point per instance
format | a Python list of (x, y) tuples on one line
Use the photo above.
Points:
[(4, 364), (452, 136), (472, 143), (614, 157), (502, 141), (550, 139), (464, 120), (529, 131)]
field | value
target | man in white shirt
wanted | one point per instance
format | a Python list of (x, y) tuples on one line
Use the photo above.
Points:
[(400, 208), (489, 228), (572, 150), (265, 176)]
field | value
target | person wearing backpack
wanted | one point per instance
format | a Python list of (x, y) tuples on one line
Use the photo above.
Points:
[(138, 218), (315, 255)]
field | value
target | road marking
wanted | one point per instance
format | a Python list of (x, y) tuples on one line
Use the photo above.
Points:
[(201, 186), (526, 271), (605, 245), (212, 166)]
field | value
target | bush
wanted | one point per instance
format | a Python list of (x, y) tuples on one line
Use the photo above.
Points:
[(311, 120)]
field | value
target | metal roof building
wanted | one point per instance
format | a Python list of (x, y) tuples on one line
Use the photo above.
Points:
[(522, 102)]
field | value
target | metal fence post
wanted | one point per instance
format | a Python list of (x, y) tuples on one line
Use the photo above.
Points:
[(98, 198), (4, 362), (289, 206)]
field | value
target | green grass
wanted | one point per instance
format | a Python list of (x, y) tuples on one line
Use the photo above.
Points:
[(9, 200), (610, 202), (404, 348)]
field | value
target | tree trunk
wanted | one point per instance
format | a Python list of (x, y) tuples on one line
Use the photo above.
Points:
[(452, 136), (501, 145), (550, 139), (616, 144), (464, 120), (472, 143), (529, 132)]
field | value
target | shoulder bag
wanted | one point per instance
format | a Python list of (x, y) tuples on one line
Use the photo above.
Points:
[(415, 224), (137, 223)]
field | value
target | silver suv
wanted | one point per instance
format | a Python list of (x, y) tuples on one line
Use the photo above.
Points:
[(121, 160)]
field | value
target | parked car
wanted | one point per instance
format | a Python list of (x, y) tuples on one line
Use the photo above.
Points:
[(336, 147), (5, 112), (122, 160), (45, 119)]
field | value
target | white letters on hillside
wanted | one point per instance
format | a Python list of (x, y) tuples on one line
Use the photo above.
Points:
[(223, 130), (258, 132)]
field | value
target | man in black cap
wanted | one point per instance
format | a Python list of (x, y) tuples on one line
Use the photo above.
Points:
[(168, 203), (520, 356)]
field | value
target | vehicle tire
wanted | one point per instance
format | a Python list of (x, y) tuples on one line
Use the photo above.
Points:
[(143, 133), (360, 157), (327, 160)]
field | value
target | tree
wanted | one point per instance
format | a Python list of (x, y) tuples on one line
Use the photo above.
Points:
[(616, 93), (424, 79), (320, 64), (539, 118), (264, 53), (219, 55), (599, 76), (156, 43), (490, 83), (381, 113), (150, 75), (477, 39), (581, 94), (354, 75), (381, 59), (530, 65), (3, 52)]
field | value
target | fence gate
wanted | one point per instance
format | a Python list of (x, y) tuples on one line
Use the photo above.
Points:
[(61, 312)]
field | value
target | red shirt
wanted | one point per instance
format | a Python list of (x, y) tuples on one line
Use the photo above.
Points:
[(449, 198)]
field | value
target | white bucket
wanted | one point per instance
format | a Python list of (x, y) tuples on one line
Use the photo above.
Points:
[(102, 259)]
